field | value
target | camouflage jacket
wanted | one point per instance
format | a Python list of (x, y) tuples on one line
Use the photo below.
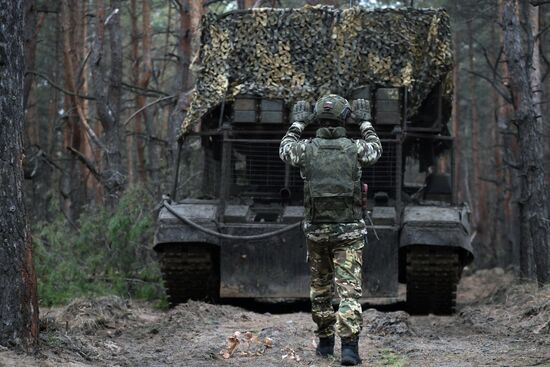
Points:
[(292, 151)]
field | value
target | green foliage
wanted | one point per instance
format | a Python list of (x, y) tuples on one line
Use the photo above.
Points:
[(390, 358), (107, 252)]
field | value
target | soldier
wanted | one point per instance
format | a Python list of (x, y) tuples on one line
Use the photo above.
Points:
[(334, 227)]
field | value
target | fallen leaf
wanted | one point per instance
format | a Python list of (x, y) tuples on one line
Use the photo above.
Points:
[(232, 342), (290, 354)]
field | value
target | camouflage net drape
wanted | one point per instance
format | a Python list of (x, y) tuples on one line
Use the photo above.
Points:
[(304, 53)]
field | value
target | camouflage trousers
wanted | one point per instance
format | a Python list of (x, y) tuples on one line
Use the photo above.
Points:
[(336, 262)]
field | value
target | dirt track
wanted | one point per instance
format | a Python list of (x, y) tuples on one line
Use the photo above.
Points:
[(499, 323)]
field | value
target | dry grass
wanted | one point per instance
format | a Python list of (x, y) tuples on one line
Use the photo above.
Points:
[(87, 315), (504, 304)]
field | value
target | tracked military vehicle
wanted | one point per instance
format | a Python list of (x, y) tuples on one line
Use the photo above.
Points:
[(237, 233)]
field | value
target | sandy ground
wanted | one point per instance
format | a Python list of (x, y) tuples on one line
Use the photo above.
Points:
[(499, 323)]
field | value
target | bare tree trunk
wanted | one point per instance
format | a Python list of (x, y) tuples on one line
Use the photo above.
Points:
[(192, 153), (508, 152), (498, 229), (72, 186), (455, 118), (544, 43), (183, 73), (92, 186), (540, 224), (54, 95), (107, 86), (136, 140), (146, 73), (197, 11), (18, 302), (535, 228), (478, 192), (30, 40)]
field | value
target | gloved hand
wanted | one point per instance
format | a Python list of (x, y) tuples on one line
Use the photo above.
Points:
[(301, 112), (361, 110)]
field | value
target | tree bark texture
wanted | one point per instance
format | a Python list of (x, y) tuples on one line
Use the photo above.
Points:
[(30, 32), (18, 303), (477, 185), (144, 80), (107, 86), (510, 152), (535, 226), (544, 14), (136, 141), (189, 15), (455, 121), (183, 77), (72, 184), (498, 236)]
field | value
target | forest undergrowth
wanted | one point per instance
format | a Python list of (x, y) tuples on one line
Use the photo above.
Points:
[(104, 253)]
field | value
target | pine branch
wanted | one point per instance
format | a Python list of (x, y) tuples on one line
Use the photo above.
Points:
[(59, 88), (143, 91), (496, 86), (82, 158), (147, 106)]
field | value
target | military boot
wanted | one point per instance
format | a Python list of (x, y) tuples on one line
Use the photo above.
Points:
[(350, 352), (325, 347)]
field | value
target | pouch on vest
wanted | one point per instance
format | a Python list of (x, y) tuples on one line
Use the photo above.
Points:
[(332, 188)]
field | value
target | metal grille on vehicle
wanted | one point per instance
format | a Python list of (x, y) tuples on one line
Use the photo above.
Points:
[(382, 176), (256, 170)]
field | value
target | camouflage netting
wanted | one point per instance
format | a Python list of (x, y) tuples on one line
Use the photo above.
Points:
[(304, 53)]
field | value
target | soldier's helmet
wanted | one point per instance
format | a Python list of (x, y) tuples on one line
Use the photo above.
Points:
[(332, 110)]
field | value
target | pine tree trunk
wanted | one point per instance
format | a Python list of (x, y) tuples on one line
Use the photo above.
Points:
[(544, 43), (30, 40), (183, 75), (145, 78), (455, 118), (477, 192), (72, 186), (107, 86), (535, 228), (540, 224), (508, 152), (136, 140), (91, 185), (18, 303), (499, 244)]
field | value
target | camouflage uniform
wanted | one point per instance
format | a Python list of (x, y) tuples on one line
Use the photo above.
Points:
[(335, 250)]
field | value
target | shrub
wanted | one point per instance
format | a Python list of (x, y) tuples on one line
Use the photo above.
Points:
[(106, 252)]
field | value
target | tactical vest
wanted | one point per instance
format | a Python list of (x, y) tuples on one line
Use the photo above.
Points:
[(332, 186)]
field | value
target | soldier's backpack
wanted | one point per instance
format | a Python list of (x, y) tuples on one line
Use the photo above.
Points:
[(332, 187)]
